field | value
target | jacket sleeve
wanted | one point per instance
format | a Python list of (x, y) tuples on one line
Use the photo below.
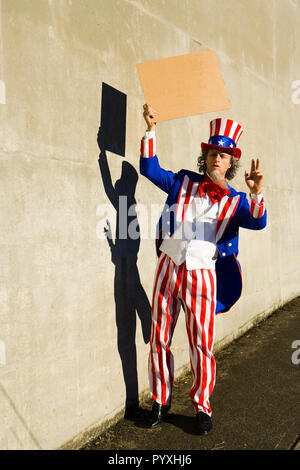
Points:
[(253, 216), (150, 167)]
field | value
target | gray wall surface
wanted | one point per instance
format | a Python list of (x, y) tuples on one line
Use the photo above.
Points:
[(65, 325)]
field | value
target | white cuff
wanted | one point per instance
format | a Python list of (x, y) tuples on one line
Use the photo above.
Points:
[(150, 134), (148, 145), (256, 197)]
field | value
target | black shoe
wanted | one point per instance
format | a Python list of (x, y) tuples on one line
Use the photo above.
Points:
[(159, 413), (203, 423)]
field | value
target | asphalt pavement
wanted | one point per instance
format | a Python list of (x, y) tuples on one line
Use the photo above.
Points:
[(255, 403)]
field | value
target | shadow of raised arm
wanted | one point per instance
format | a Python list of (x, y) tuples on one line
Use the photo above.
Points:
[(105, 172)]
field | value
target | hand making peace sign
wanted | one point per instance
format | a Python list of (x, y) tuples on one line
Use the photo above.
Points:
[(255, 178)]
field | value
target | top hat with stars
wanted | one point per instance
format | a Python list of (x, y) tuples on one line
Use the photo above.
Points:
[(224, 135)]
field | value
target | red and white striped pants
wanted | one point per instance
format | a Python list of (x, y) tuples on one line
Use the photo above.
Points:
[(195, 290)]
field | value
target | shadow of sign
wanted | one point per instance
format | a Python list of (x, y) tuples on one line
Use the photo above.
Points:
[(113, 119), (129, 295)]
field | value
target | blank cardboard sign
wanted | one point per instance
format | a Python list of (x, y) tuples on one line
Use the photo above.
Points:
[(183, 85)]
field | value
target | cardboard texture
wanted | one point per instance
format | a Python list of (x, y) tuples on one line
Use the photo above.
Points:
[(183, 85)]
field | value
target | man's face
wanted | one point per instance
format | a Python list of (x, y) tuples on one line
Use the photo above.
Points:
[(218, 161)]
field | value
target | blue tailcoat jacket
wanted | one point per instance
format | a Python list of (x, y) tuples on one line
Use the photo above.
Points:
[(228, 269)]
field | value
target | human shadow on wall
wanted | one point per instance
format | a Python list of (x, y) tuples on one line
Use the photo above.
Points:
[(129, 294)]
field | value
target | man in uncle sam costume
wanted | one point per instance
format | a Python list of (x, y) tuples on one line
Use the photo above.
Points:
[(197, 248)]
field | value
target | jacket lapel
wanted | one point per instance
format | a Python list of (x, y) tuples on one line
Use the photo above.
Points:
[(227, 209), (186, 194)]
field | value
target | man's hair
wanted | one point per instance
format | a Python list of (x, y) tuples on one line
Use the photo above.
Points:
[(230, 173)]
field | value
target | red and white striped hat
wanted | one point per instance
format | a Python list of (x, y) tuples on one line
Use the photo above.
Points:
[(224, 135)]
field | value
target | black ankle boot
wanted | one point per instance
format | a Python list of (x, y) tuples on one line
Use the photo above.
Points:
[(159, 413), (203, 423)]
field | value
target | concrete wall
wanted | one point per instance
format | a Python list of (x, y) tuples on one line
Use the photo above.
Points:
[(60, 370)]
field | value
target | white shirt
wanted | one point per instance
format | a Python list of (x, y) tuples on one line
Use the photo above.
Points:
[(195, 240)]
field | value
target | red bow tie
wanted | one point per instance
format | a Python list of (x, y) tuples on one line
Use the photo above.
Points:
[(215, 191)]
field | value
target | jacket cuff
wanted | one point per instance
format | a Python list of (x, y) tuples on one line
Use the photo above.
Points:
[(148, 145), (257, 197), (257, 207)]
